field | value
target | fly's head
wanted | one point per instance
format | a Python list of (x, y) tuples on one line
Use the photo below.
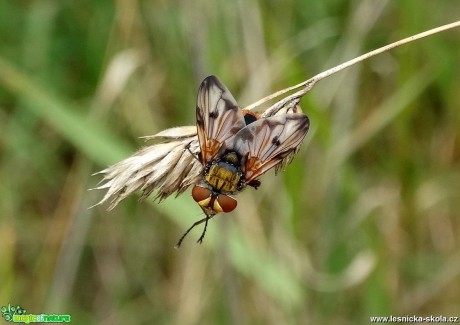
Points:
[(211, 201)]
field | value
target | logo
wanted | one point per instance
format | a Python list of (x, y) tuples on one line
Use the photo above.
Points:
[(18, 315)]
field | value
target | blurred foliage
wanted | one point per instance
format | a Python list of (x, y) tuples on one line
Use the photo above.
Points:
[(365, 221)]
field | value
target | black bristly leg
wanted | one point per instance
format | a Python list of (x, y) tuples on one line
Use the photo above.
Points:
[(200, 240), (196, 156), (254, 183), (189, 229)]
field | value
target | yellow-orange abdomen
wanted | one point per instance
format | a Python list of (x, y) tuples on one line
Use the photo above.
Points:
[(223, 177)]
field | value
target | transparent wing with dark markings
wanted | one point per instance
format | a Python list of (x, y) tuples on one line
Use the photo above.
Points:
[(268, 141), (218, 117)]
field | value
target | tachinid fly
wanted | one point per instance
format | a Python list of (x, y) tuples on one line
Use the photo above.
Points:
[(236, 147)]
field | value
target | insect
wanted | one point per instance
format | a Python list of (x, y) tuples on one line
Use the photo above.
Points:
[(236, 147)]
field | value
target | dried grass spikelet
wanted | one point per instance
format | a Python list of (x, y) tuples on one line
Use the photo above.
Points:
[(169, 165)]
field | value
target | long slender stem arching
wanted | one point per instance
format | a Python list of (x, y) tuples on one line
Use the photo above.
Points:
[(307, 85)]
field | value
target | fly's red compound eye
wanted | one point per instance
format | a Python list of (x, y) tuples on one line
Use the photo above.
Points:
[(226, 203), (200, 193)]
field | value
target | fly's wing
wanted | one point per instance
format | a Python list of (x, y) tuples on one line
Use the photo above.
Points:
[(218, 117), (268, 142)]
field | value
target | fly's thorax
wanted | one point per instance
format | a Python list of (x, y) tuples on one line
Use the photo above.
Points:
[(224, 175), (231, 158)]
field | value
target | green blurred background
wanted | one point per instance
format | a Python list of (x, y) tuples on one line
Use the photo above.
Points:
[(364, 222)]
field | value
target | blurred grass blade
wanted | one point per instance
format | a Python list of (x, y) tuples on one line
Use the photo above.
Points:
[(381, 117), (92, 139)]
